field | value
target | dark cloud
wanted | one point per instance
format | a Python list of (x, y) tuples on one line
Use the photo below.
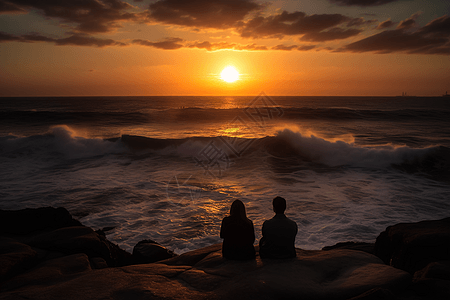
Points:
[(360, 22), (220, 14), (88, 15), (167, 44), (408, 23), (226, 46), (386, 24), (438, 27), (83, 40), (296, 23), (8, 7), (361, 2), (6, 37), (74, 40), (293, 47), (433, 38), (306, 47), (284, 48), (332, 34)]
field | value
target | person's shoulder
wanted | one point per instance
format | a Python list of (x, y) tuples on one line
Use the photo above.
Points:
[(291, 222), (226, 219)]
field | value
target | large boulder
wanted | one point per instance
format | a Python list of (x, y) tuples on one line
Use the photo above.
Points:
[(433, 280), (50, 272), (361, 246), (15, 257), (46, 233), (412, 246), (79, 239), (30, 220), (148, 251)]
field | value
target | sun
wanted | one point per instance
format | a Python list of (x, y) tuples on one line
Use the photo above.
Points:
[(229, 74)]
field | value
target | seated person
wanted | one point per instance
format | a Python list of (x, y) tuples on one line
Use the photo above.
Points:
[(278, 234), (238, 234)]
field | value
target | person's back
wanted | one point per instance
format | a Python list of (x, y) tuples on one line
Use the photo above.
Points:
[(238, 234), (278, 234)]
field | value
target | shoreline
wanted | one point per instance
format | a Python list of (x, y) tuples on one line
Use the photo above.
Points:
[(45, 252)]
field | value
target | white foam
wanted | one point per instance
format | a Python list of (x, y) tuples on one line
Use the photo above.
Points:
[(337, 152)]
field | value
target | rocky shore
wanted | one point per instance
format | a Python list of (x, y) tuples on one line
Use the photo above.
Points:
[(46, 254)]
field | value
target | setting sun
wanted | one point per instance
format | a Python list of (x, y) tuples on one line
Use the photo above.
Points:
[(229, 74)]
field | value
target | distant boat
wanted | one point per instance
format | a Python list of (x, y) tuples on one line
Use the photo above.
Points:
[(405, 95), (446, 95)]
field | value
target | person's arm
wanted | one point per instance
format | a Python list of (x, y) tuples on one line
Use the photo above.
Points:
[(222, 230), (263, 229), (253, 232)]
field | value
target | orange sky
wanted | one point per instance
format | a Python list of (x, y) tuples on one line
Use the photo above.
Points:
[(174, 47)]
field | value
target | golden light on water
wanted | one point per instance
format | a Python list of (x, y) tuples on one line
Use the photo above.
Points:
[(229, 74)]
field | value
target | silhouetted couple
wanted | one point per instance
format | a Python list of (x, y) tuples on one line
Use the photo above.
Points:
[(278, 234)]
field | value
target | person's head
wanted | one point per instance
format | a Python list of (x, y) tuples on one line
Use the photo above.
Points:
[(238, 210), (279, 205)]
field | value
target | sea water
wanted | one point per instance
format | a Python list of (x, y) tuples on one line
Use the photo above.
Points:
[(168, 168)]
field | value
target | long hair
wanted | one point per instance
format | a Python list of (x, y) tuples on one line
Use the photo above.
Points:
[(238, 210)]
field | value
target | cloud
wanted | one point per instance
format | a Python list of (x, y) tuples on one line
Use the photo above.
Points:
[(219, 14), (284, 48), (433, 38), (361, 2), (90, 16), (409, 23), (332, 34), (386, 24), (314, 27), (168, 44), (289, 24), (293, 47), (226, 46), (83, 40), (306, 47), (8, 7), (438, 27), (74, 40), (360, 22), (6, 37)]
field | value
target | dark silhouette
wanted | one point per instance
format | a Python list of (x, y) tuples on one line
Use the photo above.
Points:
[(278, 234), (238, 234)]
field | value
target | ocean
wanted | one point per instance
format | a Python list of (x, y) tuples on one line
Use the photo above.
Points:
[(168, 168)]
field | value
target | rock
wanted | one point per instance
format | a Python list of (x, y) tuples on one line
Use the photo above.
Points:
[(15, 257), (366, 247), (148, 251), (430, 288), (437, 270), (334, 274), (192, 257), (50, 272), (412, 246), (29, 220), (98, 263), (433, 280), (376, 294), (79, 239)]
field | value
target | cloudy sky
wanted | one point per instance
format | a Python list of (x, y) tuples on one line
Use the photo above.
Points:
[(174, 47)]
